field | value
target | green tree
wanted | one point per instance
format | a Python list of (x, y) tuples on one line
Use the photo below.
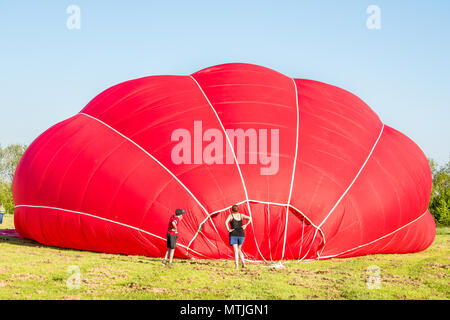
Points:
[(440, 194), (6, 197), (9, 158)]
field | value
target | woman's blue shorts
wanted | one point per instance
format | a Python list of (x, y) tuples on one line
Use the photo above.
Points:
[(236, 240)]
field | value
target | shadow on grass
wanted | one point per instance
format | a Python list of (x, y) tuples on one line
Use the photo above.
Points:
[(9, 236)]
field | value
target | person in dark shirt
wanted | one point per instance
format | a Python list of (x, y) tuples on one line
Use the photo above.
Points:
[(172, 234), (237, 233)]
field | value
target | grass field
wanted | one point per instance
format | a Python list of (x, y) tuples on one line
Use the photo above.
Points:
[(29, 270)]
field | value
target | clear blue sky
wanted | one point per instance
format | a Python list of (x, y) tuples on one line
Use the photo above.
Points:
[(48, 72)]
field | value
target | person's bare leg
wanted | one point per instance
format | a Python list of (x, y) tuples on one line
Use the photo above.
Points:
[(165, 257), (241, 255), (236, 255), (172, 251)]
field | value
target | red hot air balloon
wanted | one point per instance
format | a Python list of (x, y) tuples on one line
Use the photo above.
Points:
[(316, 169)]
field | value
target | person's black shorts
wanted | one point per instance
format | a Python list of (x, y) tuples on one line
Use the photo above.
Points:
[(171, 240)]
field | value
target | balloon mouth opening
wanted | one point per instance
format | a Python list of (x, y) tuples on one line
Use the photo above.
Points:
[(277, 232)]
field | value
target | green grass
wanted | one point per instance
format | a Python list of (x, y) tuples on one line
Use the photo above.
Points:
[(29, 270)]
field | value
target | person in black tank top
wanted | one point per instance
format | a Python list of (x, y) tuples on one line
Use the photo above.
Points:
[(235, 227)]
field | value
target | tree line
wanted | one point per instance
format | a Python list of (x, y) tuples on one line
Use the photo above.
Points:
[(440, 193), (9, 158), (439, 202)]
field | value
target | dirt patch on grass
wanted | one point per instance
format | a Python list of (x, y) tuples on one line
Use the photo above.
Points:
[(137, 287), (435, 265), (26, 276), (4, 283), (321, 272), (71, 298), (5, 269), (403, 281), (299, 282), (438, 275)]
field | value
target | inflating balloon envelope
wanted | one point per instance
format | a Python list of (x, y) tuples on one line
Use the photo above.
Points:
[(325, 179)]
